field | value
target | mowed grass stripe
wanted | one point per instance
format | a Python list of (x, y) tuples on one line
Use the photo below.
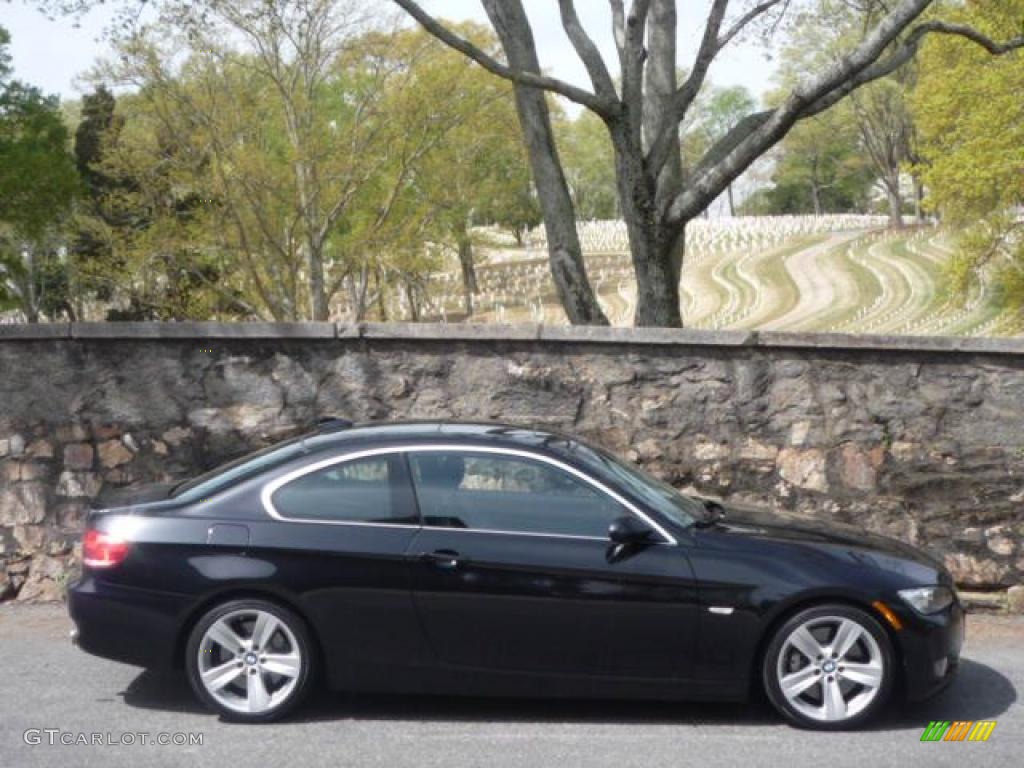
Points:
[(924, 278), (709, 295), (778, 292), (867, 287), (818, 285)]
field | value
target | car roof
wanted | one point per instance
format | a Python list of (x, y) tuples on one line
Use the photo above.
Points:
[(475, 432)]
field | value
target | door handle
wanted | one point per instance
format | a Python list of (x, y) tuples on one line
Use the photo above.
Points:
[(447, 559)]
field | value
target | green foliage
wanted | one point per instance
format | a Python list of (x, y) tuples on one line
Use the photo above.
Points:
[(98, 123), (972, 145), (589, 164), (252, 179), (819, 168), (472, 170), (5, 56), (38, 184), (33, 147), (830, 162), (720, 109)]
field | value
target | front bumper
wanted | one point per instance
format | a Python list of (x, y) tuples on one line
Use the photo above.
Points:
[(930, 647), (132, 626)]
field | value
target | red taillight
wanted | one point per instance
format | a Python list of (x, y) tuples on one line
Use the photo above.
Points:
[(101, 550)]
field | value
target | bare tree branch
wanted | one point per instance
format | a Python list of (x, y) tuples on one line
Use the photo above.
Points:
[(742, 22), (619, 28), (905, 52), (601, 106), (587, 51), (709, 48), (636, 23), (663, 144), (634, 58), (962, 30)]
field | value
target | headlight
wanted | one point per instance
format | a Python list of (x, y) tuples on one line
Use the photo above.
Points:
[(928, 599)]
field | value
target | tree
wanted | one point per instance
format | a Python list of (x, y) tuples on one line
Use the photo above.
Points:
[(589, 162), (218, 185), (143, 228), (972, 148), (5, 55), (564, 251), (878, 111), (819, 168), (38, 184), (301, 127), (476, 173), (643, 115), (517, 210), (96, 135), (886, 131), (724, 107)]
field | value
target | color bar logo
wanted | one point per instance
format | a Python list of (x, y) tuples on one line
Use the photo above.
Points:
[(958, 730)]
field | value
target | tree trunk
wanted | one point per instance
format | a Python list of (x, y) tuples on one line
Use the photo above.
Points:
[(657, 283), (892, 194), (317, 288), (31, 300), (410, 296), (564, 251), (816, 198), (919, 200), (657, 257), (469, 285), (360, 287), (732, 202), (378, 282), (661, 82)]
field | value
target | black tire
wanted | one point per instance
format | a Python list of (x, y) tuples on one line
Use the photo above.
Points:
[(307, 650), (772, 665)]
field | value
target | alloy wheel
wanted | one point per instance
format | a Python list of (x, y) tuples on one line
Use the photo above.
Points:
[(830, 668), (249, 661)]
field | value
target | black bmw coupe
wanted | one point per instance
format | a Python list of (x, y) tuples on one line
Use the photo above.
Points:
[(485, 559)]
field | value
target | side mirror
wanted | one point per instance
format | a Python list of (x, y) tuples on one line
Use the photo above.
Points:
[(629, 530)]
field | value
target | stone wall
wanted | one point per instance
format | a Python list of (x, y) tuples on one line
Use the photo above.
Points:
[(918, 438)]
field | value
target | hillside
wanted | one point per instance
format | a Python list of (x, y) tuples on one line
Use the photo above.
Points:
[(835, 273)]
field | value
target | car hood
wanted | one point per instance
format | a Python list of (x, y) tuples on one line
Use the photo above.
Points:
[(757, 522)]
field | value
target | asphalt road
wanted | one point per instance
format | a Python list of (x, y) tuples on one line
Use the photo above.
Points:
[(48, 684)]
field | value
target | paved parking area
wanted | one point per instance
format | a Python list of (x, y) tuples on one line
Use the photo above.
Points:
[(48, 684)]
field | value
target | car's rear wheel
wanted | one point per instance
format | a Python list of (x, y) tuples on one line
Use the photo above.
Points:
[(829, 667), (250, 660)]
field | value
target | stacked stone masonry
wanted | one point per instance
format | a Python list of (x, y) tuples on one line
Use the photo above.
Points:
[(918, 438)]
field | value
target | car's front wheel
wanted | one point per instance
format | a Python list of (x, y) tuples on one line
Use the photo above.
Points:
[(829, 667), (250, 660)]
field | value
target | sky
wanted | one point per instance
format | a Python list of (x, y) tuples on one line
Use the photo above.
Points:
[(52, 54)]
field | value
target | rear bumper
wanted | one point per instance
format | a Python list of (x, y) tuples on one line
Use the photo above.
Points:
[(931, 647), (128, 625)]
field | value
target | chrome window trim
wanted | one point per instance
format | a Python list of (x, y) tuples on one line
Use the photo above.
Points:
[(268, 490)]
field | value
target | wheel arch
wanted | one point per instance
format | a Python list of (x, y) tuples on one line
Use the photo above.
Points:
[(784, 612), (267, 593)]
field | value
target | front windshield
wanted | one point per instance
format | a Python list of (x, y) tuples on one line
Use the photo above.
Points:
[(656, 493), (246, 466)]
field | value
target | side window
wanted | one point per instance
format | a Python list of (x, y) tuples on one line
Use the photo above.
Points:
[(368, 490), (484, 491)]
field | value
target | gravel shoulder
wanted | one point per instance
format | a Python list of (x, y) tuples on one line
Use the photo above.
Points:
[(49, 684)]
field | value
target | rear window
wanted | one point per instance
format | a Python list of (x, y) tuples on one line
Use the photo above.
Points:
[(240, 469)]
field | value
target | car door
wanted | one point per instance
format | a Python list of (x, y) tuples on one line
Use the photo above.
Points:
[(339, 536), (513, 572)]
